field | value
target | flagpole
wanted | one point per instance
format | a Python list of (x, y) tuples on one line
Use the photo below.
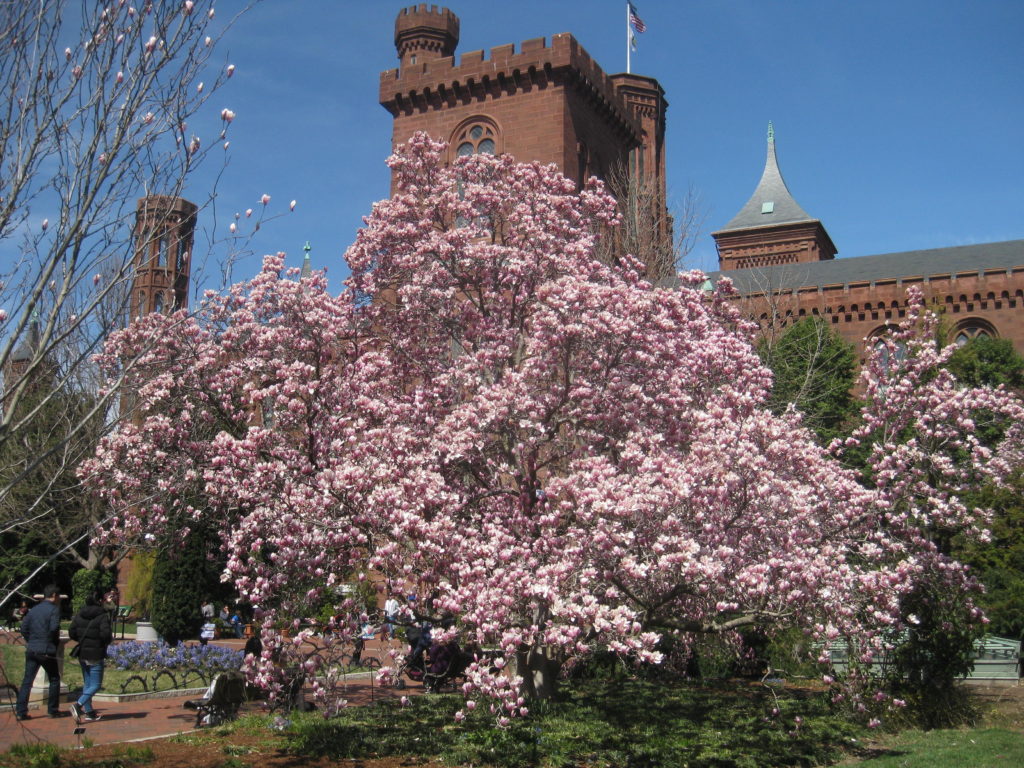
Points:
[(628, 46)]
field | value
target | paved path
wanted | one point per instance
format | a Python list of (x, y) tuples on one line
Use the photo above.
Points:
[(148, 718)]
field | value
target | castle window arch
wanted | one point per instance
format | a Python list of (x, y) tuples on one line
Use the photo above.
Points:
[(972, 328), (163, 251), (877, 345), (158, 302), (477, 135)]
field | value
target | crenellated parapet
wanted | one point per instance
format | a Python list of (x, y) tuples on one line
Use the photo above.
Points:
[(423, 33), (439, 83)]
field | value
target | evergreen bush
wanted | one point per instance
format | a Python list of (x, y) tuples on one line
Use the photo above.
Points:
[(88, 580)]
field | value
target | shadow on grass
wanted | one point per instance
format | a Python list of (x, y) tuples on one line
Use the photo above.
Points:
[(598, 723)]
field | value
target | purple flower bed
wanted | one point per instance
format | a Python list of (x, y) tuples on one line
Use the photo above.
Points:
[(183, 664)]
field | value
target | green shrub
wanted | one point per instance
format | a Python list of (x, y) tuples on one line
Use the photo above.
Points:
[(88, 580), (181, 579)]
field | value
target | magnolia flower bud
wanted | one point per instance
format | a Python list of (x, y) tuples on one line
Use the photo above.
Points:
[(291, 206), (265, 199), (227, 115), (199, 88), (187, 8), (231, 70)]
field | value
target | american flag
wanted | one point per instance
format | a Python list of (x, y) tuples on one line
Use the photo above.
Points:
[(635, 20)]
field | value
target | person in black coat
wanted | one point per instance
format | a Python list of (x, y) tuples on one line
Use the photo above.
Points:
[(41, 630), (94, 631)]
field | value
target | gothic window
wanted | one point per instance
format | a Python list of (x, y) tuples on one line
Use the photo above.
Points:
[(142, 303), (163, 250), (182, 256), (972, 328), (477, 136), (158, 302)]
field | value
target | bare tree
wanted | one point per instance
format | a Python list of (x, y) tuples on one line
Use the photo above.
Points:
[(658, 234), (99, 100)]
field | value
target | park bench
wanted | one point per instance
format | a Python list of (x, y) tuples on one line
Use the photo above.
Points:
[(226, 697)]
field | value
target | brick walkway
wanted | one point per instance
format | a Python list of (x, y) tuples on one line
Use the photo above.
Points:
[(148, 718)]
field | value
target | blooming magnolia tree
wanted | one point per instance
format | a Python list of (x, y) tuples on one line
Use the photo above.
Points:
[(558, 455)]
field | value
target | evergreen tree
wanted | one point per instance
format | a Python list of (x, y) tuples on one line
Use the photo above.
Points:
[(814, 369), (182, 577)]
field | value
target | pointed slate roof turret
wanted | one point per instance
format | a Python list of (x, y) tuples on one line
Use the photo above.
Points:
[(307, 266), (772, 228)]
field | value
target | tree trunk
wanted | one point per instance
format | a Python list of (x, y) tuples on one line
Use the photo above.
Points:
[(539, 671)]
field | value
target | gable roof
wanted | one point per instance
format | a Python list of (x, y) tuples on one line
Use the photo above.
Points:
[(886, 266)]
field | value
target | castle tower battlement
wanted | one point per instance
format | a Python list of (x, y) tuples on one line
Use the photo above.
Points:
[(438, 83), (423, 33)]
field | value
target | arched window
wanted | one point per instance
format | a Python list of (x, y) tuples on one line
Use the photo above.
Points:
[(182, 256), (158, 302), (477, 136), (972, 328), (877, 344), (163, 251)]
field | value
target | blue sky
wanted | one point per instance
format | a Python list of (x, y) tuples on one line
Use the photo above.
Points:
[(899, 123)]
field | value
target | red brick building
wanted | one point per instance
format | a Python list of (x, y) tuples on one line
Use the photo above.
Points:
[(164, 233), (783, 263), (546, 102)]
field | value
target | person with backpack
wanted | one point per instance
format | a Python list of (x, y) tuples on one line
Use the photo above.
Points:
[(94, 631)]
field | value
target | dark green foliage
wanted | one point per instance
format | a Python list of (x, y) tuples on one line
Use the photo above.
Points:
[(938, 650), (182, 577), (999, 564), (43, 506), (86, 581), (988, 361), (815, 370), (626, 722)]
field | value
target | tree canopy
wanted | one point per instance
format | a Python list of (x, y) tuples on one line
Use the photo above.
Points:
[(555, 455)]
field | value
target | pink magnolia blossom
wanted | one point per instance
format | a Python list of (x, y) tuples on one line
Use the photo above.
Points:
[(563, 457), (291, 205), (227, 115), (231, 67)]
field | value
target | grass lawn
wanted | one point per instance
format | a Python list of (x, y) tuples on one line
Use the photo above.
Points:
[(608, 723), (977, 748)]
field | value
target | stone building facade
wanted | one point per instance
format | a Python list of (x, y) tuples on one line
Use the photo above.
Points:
[(783, 263), (548, 102), (164, 235)]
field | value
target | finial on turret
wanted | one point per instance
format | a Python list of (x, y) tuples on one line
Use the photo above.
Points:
[(771, 131), (307, 267)]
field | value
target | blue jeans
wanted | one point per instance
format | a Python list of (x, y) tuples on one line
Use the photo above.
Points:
[(92, 676), (33, 661)]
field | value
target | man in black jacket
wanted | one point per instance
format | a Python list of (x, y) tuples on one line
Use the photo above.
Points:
[(41, 630)]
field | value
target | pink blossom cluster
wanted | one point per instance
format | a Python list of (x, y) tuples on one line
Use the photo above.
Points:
[(561, 455)]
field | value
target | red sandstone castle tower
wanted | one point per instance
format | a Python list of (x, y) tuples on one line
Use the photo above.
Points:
[(164, 234), (550, 103)]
